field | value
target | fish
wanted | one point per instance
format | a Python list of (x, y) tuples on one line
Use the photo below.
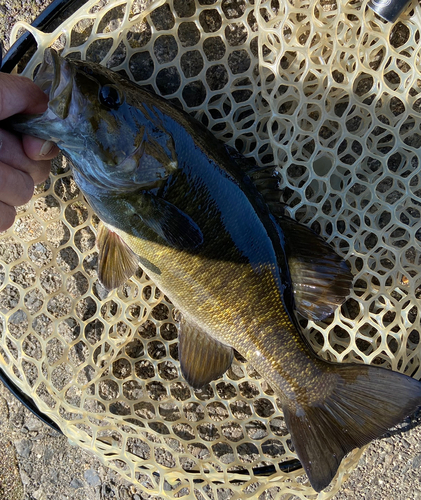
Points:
[(200, 220)]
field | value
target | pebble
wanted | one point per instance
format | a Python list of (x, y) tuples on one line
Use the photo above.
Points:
[(76, 483), (4, 410), (24, 448), (54, 476), (24, 477), (27, 467), (33, 424), (124, 494), (416, 462), (48, 455), (39, 495), (92, 478), (405, 443)]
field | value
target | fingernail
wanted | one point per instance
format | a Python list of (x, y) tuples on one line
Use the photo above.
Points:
[(46, 148)]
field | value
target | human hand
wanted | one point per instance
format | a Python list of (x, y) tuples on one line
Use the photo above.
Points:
[(24, 161)]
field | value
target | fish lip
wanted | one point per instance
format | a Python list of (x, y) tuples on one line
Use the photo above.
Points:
[(48, 76), (53, 60), (55, 78)]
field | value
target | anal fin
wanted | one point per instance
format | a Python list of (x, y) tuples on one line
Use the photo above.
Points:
[(116, 261), (202, 358)]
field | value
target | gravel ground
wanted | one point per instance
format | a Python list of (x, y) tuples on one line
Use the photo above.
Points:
[(40, 464)]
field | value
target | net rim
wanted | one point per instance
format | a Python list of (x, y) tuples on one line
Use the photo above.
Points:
[(27, 41)]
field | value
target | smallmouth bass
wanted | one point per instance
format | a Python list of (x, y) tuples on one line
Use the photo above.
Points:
[(184, 207)]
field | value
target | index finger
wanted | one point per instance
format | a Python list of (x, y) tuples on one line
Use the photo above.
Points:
[(19, 94)]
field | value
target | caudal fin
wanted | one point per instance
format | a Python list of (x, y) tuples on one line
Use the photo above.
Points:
[(364, 404)]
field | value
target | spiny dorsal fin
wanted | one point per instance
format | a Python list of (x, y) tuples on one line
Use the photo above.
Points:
[(116, 261), (266, 179), (320, 278), (268, 182), (202, 358)]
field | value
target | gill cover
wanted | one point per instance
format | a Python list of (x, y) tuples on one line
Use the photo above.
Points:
[(106, 124)]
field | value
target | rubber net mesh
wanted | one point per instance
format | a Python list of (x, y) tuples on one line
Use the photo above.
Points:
[(328, 92)]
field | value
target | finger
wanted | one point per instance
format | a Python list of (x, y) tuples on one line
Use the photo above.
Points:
[(18, 94), (38, 149), (16, 187), (7, 216), (13, 154)]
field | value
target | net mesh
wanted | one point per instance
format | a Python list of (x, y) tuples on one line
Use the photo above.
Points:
[(329, 93)]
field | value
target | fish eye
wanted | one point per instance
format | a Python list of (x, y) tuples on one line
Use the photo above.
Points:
[(110, 96)]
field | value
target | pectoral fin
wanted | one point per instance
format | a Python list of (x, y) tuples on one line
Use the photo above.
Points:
[(321, 278), (116, 261), (176, 227), (202, 357)]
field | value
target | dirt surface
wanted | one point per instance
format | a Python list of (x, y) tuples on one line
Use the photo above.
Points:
[(38, 463)]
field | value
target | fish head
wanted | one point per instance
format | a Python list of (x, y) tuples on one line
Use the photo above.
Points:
[(98, 118)]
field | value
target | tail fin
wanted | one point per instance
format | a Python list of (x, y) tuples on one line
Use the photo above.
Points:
[(365, 403)]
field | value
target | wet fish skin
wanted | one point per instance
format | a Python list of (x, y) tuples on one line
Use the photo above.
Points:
[(172, 198)]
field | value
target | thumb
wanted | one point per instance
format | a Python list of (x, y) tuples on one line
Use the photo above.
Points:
[(19, 94), (38, 149)]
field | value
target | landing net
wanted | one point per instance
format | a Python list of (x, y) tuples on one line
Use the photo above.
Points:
[(329, 93)]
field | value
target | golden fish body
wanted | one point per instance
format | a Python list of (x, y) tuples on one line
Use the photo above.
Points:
[(233, 299)]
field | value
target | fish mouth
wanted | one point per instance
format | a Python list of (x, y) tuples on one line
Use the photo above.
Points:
[(55, 78)]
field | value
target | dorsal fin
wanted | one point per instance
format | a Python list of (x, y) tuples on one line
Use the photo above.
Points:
[(116, 261), (321, 279), (267, 179), (268, 182)]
